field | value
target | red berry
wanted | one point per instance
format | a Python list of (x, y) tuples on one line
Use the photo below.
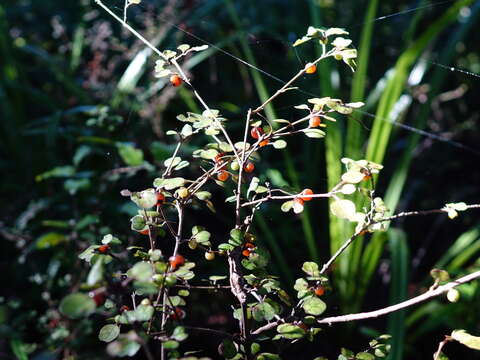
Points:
[(315, 121), (145, 231), (104, 249), (246, 253), (177, 314), (312, 69), (264, 142), (319, 291), (307, 192), (249, 245), (256, 132), (98, 296), (249, 167), (175, 261), (160, 198), (176, 80), (124, 308), (223, 175)]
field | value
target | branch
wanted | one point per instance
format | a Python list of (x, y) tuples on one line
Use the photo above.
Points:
[(405, 304), (424, 212), (347, 243), (286, 197), (377, 313)]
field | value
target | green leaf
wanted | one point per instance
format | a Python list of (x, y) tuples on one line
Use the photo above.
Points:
[(291, 331), (364, 356), (353, 177), (77, 305), (301, 284), (263, 311), (144, 312), (138, 223), (171, 344), (141, 271), (108, 333), (268, 356), (343, 209), (286, 206), (88, 253), (130, 155), (203, 195), (179, 333), (439, 274), (110, 239), (280, 144), (236, 237), (314, 306), (314, 133), (59, 171), (470, 341), (310, 268), (145, 199), (253, 185), (229, 349), (124, 346), (169, 184), (50, 240), (19, 349)]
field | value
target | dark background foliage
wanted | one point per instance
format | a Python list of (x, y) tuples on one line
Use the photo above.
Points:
[(75, 108)]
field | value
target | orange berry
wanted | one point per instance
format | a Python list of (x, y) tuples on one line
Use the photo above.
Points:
[(104, 249), (315, 121), (367, 177), (223, 175), (249, 245), (264, 142), (319, 291), (144, 231), (312, 69), (218, 158), (256, 132), (176, 80), (175, 261), (249, 167), (246, 253), (299, 201), (307, 192), (160, 198)]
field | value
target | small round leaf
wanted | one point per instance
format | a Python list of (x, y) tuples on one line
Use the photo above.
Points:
[(108, 333)]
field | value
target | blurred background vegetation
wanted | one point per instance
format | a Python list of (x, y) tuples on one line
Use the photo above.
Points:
[(83, 117)]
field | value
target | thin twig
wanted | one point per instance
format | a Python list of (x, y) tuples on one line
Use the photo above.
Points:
[(405, 304), (240, 171), (447, 339), (286, 197)]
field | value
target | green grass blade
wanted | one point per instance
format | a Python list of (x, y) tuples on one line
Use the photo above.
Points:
[(355, 138), (460, 245), (399, 254)]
